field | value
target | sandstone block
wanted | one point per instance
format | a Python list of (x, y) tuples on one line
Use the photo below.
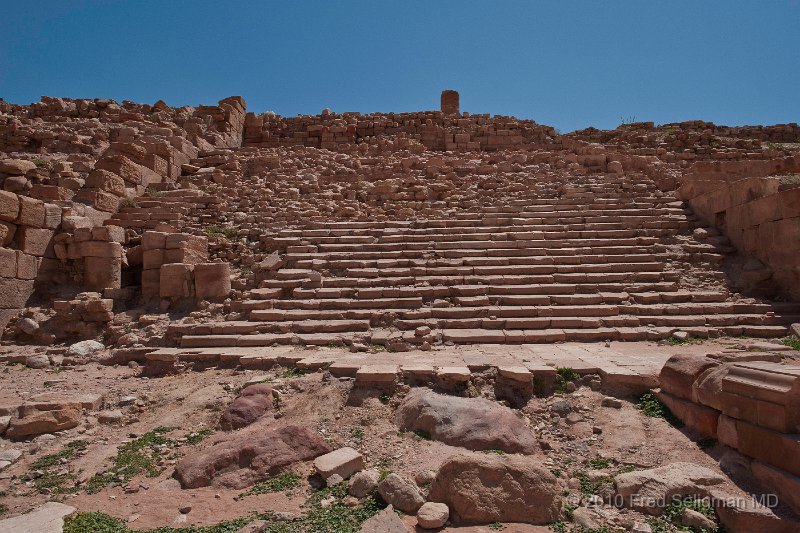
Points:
[(34, 241), (344, 462), (109, 233), (52, 216), (101, 249), (16, 167), (106, 181), (27, 266), (102, 273), (176, 281), (31, 212), (8, 263), (14, 293), (7, 233), (9, 206), (212, 281)]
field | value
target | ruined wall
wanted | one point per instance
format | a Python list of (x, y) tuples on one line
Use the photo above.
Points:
[(435, 130), (757, 205), (67, 166)]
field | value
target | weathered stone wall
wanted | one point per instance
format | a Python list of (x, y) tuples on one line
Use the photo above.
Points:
[(750, 406), (757, 205), (435, 130)]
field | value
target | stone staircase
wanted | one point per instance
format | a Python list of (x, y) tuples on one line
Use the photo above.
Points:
[(609, 259), (179, 208)]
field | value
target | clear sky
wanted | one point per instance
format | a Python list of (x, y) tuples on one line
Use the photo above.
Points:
[(570, 64)]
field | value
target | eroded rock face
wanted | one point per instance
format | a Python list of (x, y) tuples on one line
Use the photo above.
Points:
[(243, 458), (472, 423), (480, 488), (649, 491), (252, 403), (44, 417)]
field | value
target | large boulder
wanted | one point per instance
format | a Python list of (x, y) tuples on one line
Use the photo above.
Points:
[(251, 404), (240, 459), (37, 418), (481, 488), (650, 491), (472, 423)]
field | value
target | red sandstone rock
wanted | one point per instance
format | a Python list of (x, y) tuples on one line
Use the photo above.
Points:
[(250, 455), (252, 403)]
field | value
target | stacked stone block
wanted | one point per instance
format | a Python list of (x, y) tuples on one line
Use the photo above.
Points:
[(175, 268), (750, 406), (96, 254), (27, 228)]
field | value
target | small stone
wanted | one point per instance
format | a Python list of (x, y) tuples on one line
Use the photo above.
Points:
[(561, 408), (110, 417), (422, 331), (680, 335), (608, 401), (400, 493), (334, 480), (27, 325), (84, 348), (350, 501), (641, 527), (363, 483), (696, 520), (432, 515), (570, 386), (425, 477), (185, 509), (38, 360)]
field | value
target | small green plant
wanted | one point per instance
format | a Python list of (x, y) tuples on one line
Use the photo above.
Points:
[(592, 486), (384, 473), (152, 192), (337, 516), (133, 458), (128, 202), (791, 342), (69, 451), (3, 509), (559, 527), (384, 398), (292, 372), (56, 482), (496, 526), (556, 472), (277, 483), (197, 437), (227, 232), (41, 163), (494, 452), (600, 462), (652, 407), (420, 434), (625, 469), (564, 375), (357, 433), (668, 521), (680, 342)]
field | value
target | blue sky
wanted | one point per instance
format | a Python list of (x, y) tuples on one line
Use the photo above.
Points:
[(570, 64)]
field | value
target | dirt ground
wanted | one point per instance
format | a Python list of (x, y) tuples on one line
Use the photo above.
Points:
[(600, 443)]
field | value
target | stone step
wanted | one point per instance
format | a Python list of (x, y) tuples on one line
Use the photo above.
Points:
[(658, 249), (434, 282), (481, 336), (588, 244), (571, 231)]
